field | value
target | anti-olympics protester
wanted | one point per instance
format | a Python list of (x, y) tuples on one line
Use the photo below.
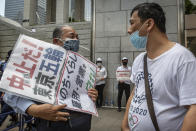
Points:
[(100, 81), (171, 75), (53, 117), (123, 85)]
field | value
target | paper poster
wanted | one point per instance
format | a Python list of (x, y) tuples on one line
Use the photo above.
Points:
[(79, 76), (40, 71), (123, 75)]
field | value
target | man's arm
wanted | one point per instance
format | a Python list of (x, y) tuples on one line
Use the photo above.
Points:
[(53, 113), (105, 74), (44, 111), (117, 76), (186, 80), (18, 104), (189, 123), (124, 126)]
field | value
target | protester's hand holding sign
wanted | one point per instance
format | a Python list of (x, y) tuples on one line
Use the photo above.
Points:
[(48, 112), (48, 73)]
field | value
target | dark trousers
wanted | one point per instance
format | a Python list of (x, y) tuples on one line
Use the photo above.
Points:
[(121, 88), (80, 123), (6, 108), (100, 88)]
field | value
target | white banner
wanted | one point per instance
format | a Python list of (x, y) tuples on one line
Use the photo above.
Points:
[(123, 75), (46, 73)]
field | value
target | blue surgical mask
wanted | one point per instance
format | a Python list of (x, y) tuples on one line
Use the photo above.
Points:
[(138, 41), (71, 44)]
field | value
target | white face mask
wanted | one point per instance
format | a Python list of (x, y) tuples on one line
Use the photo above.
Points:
[(99, 64)]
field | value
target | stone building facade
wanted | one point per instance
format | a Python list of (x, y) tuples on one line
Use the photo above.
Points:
[(111, 41)]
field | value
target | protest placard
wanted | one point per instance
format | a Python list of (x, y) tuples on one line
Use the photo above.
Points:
[(78, 77), (123, 75), (47, 73)]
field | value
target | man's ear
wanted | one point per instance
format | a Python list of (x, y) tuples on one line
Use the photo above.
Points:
[(55, 41), (150, 24)]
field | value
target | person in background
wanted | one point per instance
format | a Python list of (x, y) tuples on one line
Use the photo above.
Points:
[(100, 81), (55, 117), (123, 84), (5, 107)]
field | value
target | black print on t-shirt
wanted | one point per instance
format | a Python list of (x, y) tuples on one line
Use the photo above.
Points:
[(139, 98)]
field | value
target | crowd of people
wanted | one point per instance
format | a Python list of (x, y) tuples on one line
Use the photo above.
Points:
[(164, 94)]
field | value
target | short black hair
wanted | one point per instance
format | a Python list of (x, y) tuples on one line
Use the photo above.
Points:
[(98, 62), (57, 32), (151, 10), (8, 55)]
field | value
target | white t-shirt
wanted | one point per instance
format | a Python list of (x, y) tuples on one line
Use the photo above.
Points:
[(123, 70), (101, 73), (173, 84)]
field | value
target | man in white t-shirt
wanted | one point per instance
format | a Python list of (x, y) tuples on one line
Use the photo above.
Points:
[(123, 74), (172, 81), (100, 81)]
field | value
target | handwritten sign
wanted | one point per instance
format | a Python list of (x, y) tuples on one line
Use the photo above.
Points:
[(47, 73), (123, 75)]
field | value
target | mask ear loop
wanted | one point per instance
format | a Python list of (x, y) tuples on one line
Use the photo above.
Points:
[(141, 27), (138, 30), (67, 39), (59, 39), (146, 35), (147, 39)]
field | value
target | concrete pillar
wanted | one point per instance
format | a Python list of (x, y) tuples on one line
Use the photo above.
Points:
[(29, 16), (62, 11), (48, 11), (51, 11), (79, 10)]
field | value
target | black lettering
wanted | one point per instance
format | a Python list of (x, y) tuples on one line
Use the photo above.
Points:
[(63, 93), (73, 58), (69, 72)]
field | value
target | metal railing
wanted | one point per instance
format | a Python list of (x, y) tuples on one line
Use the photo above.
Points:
[(21, 122)]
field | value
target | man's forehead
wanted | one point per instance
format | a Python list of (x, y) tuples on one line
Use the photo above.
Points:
[(134, 16), (68, 29)]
